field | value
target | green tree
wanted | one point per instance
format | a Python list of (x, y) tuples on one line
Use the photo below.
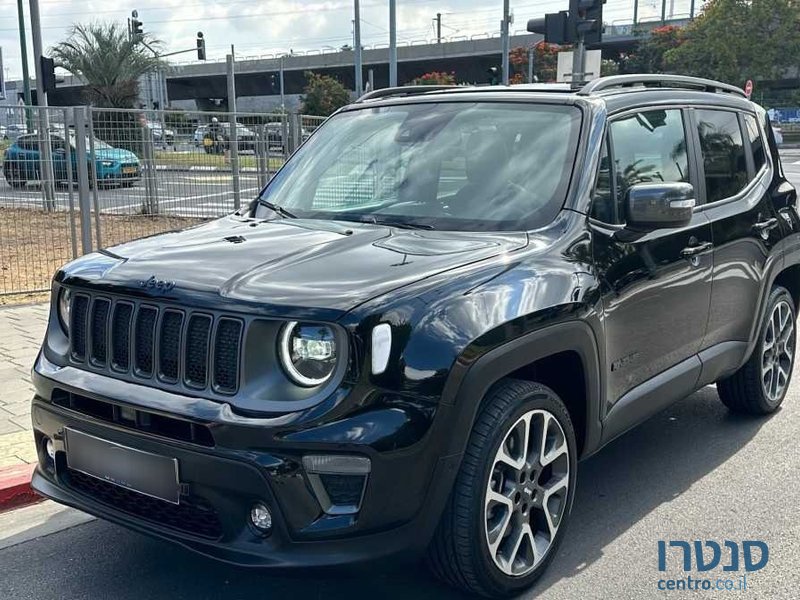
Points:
[(736, 40), (108, 61), (324, 95), (649, 55)]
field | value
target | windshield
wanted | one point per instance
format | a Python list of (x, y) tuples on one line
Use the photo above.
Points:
[(455, 165)]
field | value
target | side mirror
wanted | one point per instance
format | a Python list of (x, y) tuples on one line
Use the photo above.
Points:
[(650, 206)]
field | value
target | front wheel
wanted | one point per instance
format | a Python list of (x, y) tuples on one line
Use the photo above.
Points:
[(759, 387), (512, 497)]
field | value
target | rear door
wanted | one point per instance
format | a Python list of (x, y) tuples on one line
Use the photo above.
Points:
[(735, 171)]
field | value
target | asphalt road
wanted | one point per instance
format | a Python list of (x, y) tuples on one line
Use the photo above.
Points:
[(692, 472)]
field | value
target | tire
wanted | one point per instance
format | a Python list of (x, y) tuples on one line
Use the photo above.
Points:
[(472, 545), (759, 387)]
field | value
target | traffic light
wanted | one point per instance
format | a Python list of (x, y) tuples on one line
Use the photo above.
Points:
[(583, 20), (586, 18), (201, 46), (137, 32), (554, 27), (495, 76), (48, 67)]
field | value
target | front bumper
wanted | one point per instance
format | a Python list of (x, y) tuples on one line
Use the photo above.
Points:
[(404, 495)]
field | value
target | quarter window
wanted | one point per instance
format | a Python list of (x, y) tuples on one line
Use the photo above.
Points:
[(756, 142), (648, 146), (724, 158)]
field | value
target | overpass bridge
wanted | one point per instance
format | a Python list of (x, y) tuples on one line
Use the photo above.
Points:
[(203, 86)]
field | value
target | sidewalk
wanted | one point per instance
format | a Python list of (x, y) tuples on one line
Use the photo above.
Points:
[(21, 331)]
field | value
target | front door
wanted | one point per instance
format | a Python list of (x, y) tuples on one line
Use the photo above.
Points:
[(656, 287)]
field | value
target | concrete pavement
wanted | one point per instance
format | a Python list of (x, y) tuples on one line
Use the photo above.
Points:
[(21, 331)]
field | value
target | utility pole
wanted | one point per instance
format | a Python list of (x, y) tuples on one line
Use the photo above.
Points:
[(283, 98), (392, 43), (26, 79), (438, 28), (357, 48), (506, 41), (234, 134), (45, 154)]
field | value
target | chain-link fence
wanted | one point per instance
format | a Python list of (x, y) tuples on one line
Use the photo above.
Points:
[(144, 173)]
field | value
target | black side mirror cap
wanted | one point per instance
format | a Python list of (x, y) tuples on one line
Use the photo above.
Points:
[(650, 206)]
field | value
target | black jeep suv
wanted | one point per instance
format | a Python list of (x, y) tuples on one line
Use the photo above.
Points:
[(442, 301)]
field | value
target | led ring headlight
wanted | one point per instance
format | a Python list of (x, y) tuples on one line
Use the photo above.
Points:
[(308, 352)]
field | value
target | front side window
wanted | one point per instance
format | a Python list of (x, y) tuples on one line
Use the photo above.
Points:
[(724, 159), (647, 147), (454, 165)]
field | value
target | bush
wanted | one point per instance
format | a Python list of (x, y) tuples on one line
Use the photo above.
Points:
[(324, 95), (435, 78)]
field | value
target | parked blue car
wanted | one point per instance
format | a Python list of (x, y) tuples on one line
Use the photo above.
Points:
[(113, 165)]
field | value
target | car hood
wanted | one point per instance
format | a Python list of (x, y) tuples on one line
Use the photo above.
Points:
[(117, 154), (297, 262)]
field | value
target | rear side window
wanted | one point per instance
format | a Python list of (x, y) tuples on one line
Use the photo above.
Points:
[(647, 147), (724, 158), (756, 142)]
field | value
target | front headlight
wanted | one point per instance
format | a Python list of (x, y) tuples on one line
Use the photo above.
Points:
[(107, 163), (308, 352), (64, 296)]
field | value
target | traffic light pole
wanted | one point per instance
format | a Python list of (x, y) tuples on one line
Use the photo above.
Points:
[(45, 150), (579, 62)]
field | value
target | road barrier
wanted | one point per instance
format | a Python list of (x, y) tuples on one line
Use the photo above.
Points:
[(145, 172)]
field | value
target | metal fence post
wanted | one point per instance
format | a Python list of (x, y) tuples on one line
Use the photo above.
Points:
[(93, 173), (151, 191), (84, 203), (234, 135), (285, 135), (262, 155), (73, 231)]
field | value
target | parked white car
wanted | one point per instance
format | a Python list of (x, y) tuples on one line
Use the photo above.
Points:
[(778, 133)]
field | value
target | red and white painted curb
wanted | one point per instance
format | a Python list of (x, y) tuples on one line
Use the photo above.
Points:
[(15, 487)]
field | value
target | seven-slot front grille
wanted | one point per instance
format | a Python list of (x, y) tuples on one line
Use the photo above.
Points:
[(149, 341)]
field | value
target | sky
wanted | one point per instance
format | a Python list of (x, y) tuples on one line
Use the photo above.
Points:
[(260, 28)]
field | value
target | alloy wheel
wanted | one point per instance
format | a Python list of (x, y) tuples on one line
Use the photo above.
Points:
[(527, 492), (777, 353)]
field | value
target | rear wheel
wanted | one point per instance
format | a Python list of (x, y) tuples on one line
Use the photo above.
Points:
[(512, 496), (759, 387)]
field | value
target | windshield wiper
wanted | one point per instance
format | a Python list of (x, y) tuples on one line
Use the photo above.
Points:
[(277, 209), (373, 220)]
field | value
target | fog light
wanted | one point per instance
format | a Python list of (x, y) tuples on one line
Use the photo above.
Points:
[(260, 517), (50, 448)]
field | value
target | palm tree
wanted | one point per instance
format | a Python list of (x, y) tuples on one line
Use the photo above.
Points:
[(109, 62)]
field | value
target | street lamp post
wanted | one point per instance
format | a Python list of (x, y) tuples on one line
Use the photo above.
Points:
[(357, 48), (392, 43), (26, 79)]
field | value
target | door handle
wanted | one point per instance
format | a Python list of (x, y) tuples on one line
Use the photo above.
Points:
[(694, 250), (765, 226)]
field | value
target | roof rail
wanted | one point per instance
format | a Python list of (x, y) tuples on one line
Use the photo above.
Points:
[(662, 81), (406, 90)]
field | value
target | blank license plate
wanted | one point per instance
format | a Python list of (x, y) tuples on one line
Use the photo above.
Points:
[(150, 474)]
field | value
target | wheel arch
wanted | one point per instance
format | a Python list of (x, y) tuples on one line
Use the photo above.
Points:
[(552, 356)]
